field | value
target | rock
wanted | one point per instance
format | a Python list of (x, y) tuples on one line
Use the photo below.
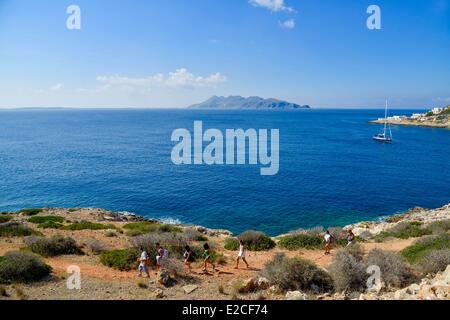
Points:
[(158, 294), (275, 290), (263, 283), (163, 277), (401, 295), (249, 285), (446, 275), (190, 288), (413, 289), (296, 295)]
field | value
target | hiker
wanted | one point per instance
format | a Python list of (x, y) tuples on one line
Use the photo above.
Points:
[(188, 257), (328, 239), (350, 237), (207, 258), (159, 256), (143, 264), (241, 254)]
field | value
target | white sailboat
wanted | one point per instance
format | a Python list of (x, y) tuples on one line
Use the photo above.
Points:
[(384, 136)]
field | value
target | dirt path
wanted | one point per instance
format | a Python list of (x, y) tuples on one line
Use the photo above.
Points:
[(90, 266)]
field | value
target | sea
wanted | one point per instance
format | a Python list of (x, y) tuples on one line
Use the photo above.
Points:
[(331, 171)]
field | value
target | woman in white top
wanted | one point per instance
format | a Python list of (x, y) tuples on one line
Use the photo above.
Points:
[(241, 255)]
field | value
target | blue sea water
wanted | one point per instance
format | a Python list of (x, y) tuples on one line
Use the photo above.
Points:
[(331, 172)]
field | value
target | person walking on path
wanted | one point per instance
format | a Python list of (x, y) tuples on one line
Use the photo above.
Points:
[(241, 255)]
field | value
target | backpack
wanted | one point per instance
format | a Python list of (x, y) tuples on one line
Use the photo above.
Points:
[(165, 254)]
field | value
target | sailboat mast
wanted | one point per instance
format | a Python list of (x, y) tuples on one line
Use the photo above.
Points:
[(385, 118)]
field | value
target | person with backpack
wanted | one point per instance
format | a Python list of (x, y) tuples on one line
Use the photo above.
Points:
[(207, 258), (328, 240), (188, 257)]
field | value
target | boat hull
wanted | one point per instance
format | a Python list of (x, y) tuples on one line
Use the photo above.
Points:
[(385, 140)]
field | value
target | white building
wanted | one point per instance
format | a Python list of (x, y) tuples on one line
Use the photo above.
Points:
[(437, 110), (417, 115)]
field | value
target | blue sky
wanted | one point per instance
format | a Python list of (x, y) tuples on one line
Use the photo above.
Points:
[(173, 53)]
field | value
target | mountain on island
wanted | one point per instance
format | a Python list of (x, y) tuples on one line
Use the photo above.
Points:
[(238, 102)]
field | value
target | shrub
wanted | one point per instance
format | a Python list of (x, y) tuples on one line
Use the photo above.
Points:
[(55, 246), (4, 219), (11, 229), (95, 246), (194, 235), (439, 226), (435, 261), (394, 271), (141, 228), (110, 233), (123, 260), (173, 242), (256, 241), (356, 251), (50, 225), (296, 274), (86, 225), (404, 230), (421, 247), (45, 219), (174, 267), (22, 267), (348, 272), (30, 212), (231, 244), (311, 239), (298, 241)]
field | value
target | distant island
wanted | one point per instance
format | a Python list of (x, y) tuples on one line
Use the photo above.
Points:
[(253, 103), (436, 117)]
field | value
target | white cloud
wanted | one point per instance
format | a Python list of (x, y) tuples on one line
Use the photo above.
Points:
[(272, 5), (288, 24), (57, 87), (180, 78)]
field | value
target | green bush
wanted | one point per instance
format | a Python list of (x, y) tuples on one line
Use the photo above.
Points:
[(435, 261), (123, 260), (421, 247), (297, 274), (231, 244), (4, 219), (86, 225), (30, 212), (140, 228), (55, 246), (44, 219), (22, 267), (256, 241), (394, 271), (15, 230), (50, 225), (308, 240), (439, 226), (298, 241), (404, 230)]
